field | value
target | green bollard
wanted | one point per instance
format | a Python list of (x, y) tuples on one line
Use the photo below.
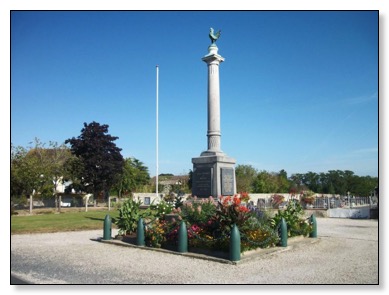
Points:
[(284, 233), (235, 244), (313, 234), (107, 228), (182, 238), (140, 233)]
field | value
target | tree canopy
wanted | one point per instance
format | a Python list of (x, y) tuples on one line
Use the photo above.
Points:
[(332, 182), (101, 162), (135, 175), (38, 168)]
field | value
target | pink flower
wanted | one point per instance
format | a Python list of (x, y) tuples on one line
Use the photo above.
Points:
[(195, 228)]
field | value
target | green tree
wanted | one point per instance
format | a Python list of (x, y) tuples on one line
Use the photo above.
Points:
[(265, 182), (38, 169), (245, 177), (55, 158), (336, 177), (135, 175), (25, 172), (312, 181), (363, 185), (296, 183), (284, 184), (73, 171), (102, 162), (141, 174), (337, 182)]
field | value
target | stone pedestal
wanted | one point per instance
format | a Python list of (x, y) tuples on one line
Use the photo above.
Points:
[(213, 171), (213, 176)]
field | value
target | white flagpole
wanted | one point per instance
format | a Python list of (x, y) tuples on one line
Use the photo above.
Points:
[(156, 175)]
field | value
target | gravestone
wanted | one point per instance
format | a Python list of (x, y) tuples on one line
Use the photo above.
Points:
[(213, 170)]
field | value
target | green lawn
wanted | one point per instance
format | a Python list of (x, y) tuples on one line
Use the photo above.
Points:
[(66, 221)]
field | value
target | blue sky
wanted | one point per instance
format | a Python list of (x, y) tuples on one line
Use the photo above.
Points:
[(298, 90)]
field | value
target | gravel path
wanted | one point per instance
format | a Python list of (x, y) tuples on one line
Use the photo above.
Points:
[(346, 253)]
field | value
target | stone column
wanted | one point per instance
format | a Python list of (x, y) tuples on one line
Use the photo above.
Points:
[(213, 171), (213, 60)]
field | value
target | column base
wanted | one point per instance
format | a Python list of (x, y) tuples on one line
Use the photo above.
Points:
[(213, 175)]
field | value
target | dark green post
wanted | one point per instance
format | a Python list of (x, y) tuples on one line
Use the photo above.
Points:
[(140, 233), (313, 234), (284, 233), (107, 228), (182, 238), (235, 244)]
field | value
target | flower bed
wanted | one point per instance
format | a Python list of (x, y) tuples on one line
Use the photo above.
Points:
[(209, 223)]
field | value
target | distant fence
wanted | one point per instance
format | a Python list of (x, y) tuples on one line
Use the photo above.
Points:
[(257, 201), (322, 203), (50, 202), (343, 202)]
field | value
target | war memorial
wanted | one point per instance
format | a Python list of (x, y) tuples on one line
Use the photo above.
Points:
[(213, 170)]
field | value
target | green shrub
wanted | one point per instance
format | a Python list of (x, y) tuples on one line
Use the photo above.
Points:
[(161, 209), (256, 234), (296, 223), (129, 214), (199, 212)]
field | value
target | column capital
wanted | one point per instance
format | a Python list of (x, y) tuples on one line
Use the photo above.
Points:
[(212, 56)]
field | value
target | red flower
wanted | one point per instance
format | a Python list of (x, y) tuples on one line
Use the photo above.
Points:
[(244, 197), (226, 200), (244, 209)]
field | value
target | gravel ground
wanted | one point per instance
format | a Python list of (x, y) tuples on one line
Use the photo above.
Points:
[(346, 252)]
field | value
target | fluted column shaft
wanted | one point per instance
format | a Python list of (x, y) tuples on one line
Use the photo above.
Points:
[(213, 133)]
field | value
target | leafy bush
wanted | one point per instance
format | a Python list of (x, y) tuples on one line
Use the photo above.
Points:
[(161, 209), (297, 224), (129, 214), (258, 235), (230, 212), (200, 211)]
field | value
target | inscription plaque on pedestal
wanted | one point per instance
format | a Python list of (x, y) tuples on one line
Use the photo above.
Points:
[(227, 181), (202, 182)]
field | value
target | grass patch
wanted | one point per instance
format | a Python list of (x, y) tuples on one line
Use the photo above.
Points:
[(66, 221)]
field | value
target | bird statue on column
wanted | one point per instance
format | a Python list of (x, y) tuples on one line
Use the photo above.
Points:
[(214, 36)]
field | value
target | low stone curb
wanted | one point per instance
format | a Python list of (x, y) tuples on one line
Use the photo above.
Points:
[(294, 242)]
